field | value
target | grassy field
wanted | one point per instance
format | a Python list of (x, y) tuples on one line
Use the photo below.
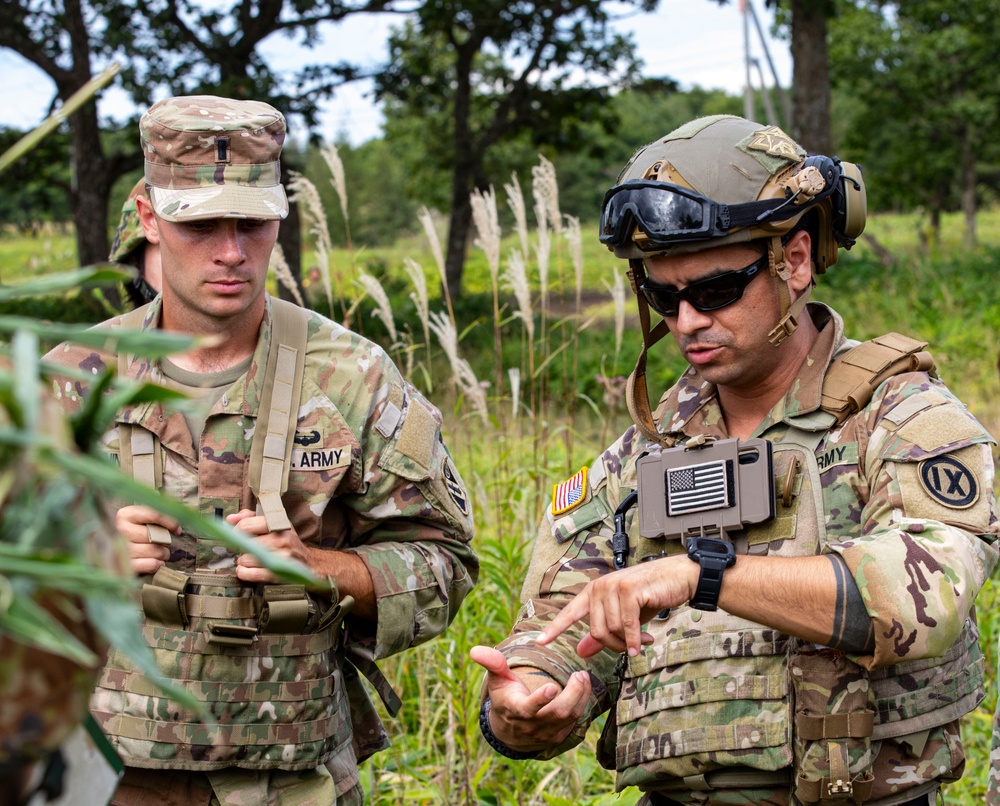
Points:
[(513, 437)]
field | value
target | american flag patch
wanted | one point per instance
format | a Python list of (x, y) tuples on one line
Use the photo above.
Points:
[(696, 488), (569, 493)]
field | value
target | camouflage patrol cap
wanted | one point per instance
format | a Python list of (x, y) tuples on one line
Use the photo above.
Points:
[(129, 235), (209, 157)]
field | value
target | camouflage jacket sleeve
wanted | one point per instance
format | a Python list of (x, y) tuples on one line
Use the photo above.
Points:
[(570, 550), (408, 514), (926, 542)]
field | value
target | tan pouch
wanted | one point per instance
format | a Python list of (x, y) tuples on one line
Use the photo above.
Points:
[(834, 718)]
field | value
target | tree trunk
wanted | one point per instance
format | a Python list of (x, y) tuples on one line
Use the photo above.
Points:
[(91, 187), (458, 227), (811, 75), (463, 173), (969, 191)]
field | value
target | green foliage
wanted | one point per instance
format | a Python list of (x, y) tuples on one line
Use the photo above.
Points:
[(37, 184), (925, 96)]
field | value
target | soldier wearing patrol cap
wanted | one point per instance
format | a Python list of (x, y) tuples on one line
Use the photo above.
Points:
[(130, 246), (768, 581), (306, 436)]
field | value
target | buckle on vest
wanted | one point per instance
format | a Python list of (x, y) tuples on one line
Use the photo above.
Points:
[(839, 789), (231, 634)]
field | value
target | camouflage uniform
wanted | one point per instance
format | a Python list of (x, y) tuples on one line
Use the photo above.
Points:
[(716, 694), (129, 246), (370, 475)]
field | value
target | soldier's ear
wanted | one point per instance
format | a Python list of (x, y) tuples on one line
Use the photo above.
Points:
[(798, 259), (147, 217)]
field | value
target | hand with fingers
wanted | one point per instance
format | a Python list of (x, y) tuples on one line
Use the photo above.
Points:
[(134, 523), (529, 711), (285, 543), (619, 603)]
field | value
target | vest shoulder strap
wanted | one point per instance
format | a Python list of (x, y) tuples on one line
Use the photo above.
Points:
[(136, 449), (853, 377), (274, 434)]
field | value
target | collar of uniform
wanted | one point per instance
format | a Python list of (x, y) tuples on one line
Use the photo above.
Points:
[(806, 392), (693, 407), (242, 398)]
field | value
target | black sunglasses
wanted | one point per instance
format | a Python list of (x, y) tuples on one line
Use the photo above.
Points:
[(709, 294)]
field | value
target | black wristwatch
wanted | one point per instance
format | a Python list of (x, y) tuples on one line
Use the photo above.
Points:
[(714, 556), (493, 741)]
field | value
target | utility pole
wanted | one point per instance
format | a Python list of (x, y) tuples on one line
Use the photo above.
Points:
[(786, 105), (749, 111)]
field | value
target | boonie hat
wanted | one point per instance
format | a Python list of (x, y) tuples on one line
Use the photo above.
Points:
[(210, 157)]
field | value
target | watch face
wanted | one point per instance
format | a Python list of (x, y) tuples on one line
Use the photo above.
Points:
[(710, 545)]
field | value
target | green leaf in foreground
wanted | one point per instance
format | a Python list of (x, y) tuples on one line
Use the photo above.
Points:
[(112, 481), (100, 274)]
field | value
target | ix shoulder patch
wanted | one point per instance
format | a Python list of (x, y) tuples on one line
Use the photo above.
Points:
[(570, 493), (455, 488), (949, 481)]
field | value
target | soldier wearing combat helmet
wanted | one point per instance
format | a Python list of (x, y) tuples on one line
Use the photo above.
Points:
[(306, 437), (769, 580), (130, 246)]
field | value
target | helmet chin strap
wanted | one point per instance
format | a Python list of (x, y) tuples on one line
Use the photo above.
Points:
[(636, 392), (778, 268)]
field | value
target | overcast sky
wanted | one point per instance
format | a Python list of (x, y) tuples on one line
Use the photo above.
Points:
[(696, 42)]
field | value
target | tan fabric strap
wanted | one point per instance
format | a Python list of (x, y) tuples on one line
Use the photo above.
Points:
[(367, 667), (274, 434), (852, 379), (636, 392), (835, 726)]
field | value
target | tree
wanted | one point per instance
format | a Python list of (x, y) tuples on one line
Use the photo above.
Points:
[(811, 74), (482, 73), (806, 24), (926, 99), (38, 184), (56, 36), (175, 44)]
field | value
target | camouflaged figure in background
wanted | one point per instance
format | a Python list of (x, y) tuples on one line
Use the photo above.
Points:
[(369, 480), (130, 246), (896, 483)]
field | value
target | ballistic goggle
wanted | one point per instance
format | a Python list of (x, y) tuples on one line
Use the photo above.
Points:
[(668, 213)]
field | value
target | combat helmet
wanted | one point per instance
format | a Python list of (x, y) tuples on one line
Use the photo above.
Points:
[(723, 179), (726, 180), (129, 234), (125, 248)]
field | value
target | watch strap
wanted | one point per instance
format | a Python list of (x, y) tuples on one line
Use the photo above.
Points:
[(706, 595), (493, 741)]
